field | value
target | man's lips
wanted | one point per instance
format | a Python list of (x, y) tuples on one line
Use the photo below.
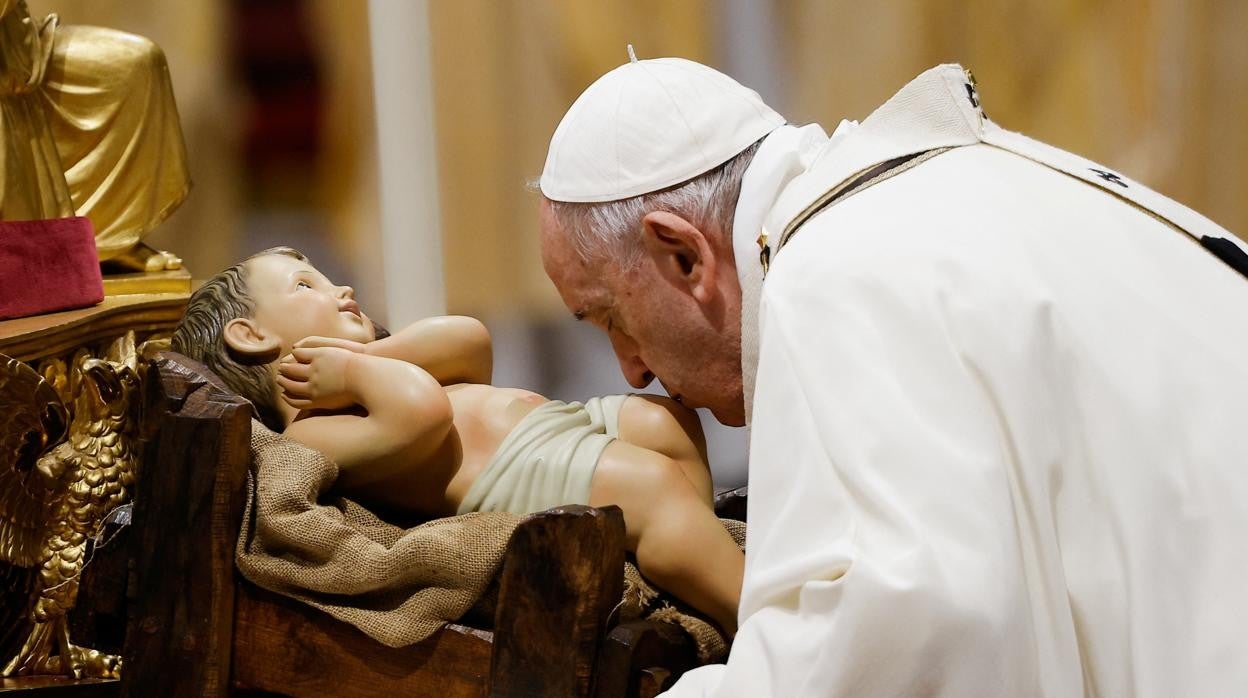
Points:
[(350, 307), (673, 394)]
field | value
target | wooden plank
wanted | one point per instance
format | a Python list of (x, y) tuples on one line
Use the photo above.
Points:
[(287, 647), (40, 336), (643, 658), (562, 577), (58, 687), (188, 509)]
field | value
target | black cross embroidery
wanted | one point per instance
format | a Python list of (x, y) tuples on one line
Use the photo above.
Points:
[(1109, 177), (1228, 252)]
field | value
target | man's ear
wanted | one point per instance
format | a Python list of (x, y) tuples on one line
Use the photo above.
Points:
[(682, 253), (249, 340)]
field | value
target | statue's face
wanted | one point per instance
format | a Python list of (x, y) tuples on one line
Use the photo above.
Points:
[(293, 300)]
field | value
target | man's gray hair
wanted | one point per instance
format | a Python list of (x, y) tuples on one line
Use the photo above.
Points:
[(611, 228)]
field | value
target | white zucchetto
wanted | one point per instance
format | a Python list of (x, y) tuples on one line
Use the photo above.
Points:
[(648, 125)]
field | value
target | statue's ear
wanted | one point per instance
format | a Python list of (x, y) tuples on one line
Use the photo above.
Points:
[(248, 339)]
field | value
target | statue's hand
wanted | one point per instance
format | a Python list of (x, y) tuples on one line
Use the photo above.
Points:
[(316, 342), (316, 378)]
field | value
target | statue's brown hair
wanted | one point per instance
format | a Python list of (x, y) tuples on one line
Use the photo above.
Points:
[(200, 335)]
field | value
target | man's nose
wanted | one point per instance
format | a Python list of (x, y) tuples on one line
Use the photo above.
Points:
[(346, 292), (635, 370)]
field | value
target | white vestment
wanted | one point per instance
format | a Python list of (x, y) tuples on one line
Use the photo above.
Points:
[(999, 424)]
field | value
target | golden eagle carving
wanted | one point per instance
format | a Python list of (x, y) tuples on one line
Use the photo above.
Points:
[(61, 472)]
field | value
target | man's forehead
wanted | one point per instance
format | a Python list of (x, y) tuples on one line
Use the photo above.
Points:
[(585, 290)]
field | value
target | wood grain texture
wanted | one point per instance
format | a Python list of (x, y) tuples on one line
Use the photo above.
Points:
[(643, 658), (52, 334), (98, 620), (58, 687), (562, 577), (286, 647), (188, 509)]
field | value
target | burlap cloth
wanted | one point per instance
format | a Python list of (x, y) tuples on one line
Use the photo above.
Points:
[(398, 585)]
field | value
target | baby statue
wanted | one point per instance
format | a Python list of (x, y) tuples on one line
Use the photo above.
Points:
[(415, 426)]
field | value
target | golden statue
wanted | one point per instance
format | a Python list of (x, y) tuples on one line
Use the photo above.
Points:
[(88, 127), (60, 476)]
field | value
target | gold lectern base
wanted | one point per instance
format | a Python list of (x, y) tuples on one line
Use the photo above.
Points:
[(175, 281)]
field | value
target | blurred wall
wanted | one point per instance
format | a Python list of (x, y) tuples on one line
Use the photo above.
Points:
[(347, 173), (1157, 89), (504, 72)]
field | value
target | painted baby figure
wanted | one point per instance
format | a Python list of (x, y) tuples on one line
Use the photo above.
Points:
[(415, 426)]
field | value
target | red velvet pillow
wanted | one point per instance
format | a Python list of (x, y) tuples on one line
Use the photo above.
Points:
[(47, 266)]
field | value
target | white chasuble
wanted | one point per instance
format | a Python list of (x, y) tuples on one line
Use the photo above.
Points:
[(999, 424)]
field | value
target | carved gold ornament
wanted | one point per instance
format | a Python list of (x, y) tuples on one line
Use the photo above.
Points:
[(66, 461)]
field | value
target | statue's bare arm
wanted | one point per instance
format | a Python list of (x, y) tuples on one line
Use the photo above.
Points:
[(406, 415), (453, 348)]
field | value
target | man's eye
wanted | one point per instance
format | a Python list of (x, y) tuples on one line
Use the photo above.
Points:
[(303, 284)]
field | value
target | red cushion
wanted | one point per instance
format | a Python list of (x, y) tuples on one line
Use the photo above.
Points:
[(47, 266)]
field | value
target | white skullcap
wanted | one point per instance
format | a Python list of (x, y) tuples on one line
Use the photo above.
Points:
[(648, 125)]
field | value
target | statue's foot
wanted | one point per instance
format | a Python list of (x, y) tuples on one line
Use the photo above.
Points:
[(84, 663), (142, 257), (163, 261), (71, 660)]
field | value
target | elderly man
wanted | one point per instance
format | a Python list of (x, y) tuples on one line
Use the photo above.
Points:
[(997, 392)]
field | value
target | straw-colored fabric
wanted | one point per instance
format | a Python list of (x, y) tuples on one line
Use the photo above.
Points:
[(397, 585)]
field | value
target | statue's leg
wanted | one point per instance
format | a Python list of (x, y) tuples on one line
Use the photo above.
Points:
[(110, 107), (33, 657), (60, 577)]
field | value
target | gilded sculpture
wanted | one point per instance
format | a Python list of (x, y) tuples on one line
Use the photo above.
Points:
[(63, 469), (89, 127)]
